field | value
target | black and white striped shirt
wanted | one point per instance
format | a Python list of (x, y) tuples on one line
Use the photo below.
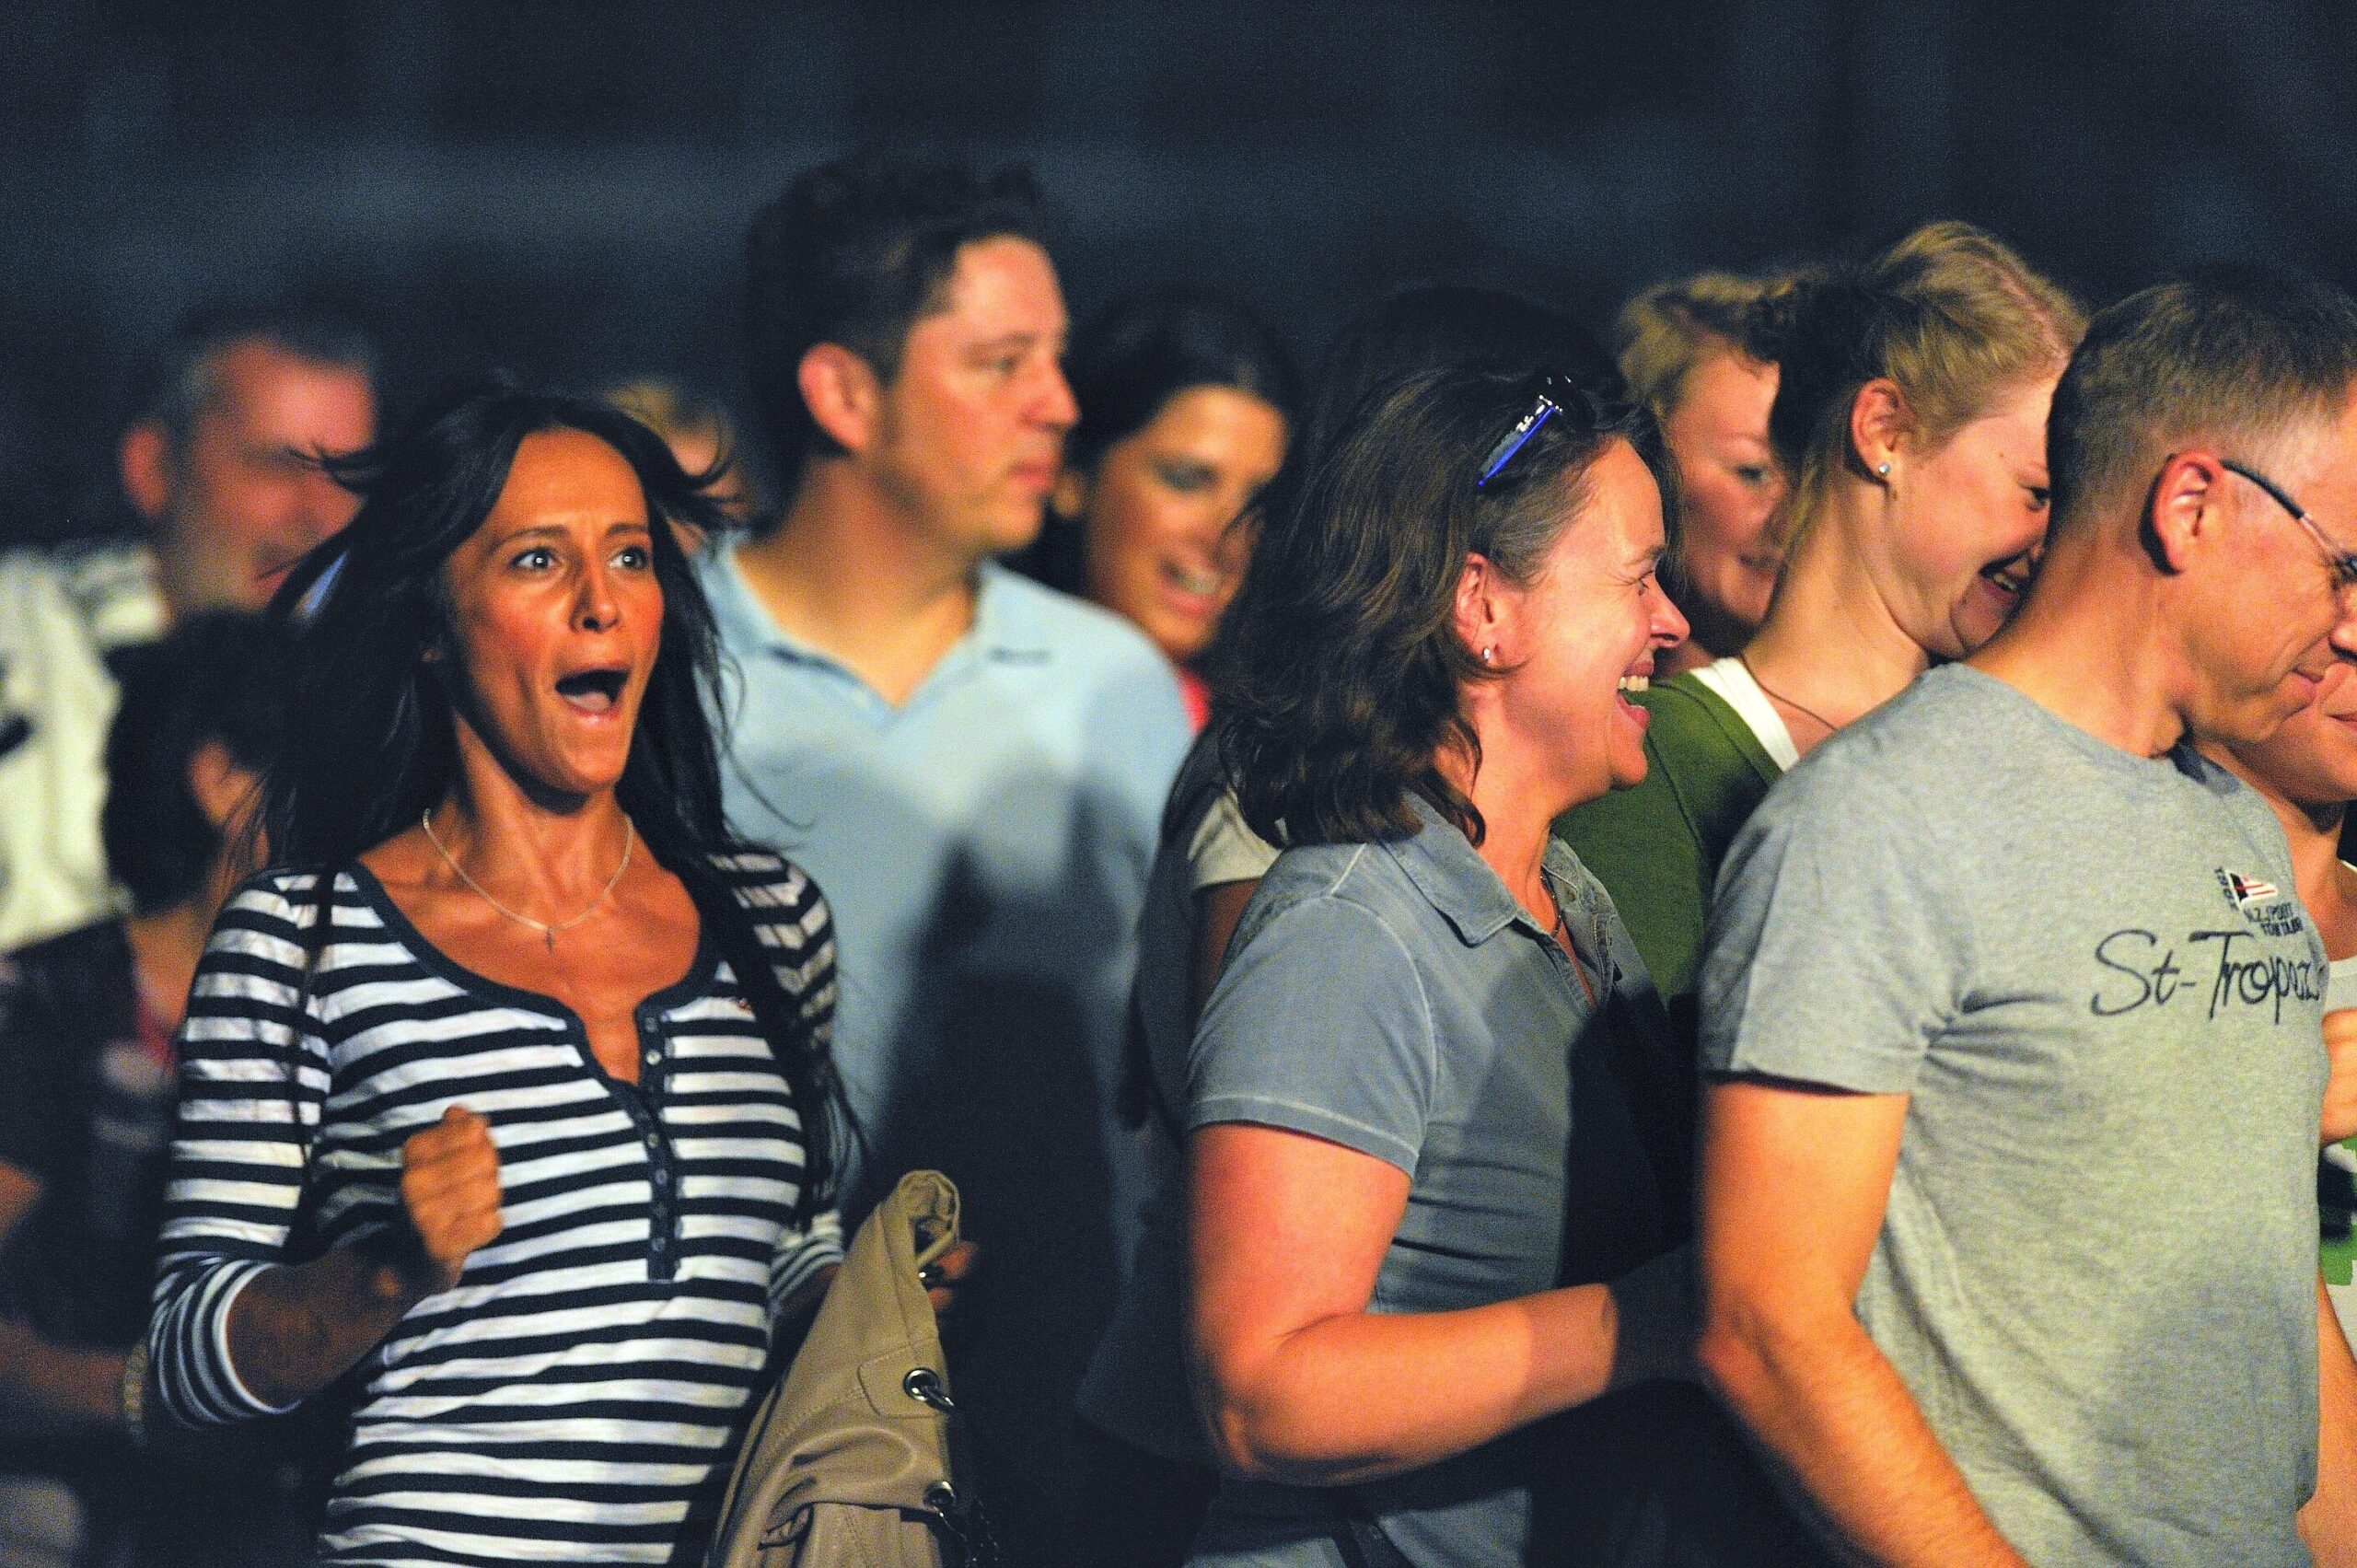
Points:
[(562, 1402)]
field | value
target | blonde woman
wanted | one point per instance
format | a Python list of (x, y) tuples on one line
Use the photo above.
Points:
[(1911, 413), (1699, 351)]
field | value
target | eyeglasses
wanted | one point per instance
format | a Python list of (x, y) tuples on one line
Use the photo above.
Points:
[(2342, 562)]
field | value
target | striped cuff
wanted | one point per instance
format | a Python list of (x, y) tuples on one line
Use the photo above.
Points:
[(190, 1342)]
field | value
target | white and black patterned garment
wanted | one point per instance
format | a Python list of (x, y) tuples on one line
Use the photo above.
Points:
[(562, 1402)]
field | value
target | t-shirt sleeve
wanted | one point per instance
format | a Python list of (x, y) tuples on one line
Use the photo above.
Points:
[(1834, 957), (1319, 1025), (1225, 849)]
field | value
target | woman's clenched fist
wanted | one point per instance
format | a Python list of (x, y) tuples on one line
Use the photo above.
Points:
[(450, 1191)]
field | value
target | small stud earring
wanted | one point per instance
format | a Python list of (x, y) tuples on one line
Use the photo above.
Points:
[(1883, 468), (1487, 653)]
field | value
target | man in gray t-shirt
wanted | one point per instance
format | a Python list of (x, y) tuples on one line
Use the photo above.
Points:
[(2095, 1274), (2013, 1022)]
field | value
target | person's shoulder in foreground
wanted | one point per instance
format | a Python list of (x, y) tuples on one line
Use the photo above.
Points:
[(1866, 870)]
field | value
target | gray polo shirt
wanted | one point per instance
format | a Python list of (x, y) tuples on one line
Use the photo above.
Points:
[(1395, 999), (2088, 973)]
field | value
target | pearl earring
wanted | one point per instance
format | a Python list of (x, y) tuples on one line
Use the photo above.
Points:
[(1883, 468), (1488, 652)]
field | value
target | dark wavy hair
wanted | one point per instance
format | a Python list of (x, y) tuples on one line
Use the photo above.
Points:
[(371, 735), (1426, 327), (1342, 666)]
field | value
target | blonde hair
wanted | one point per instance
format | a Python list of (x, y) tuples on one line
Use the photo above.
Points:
[(672, 410), (1949, 315), (1663, 333), (680, 414)]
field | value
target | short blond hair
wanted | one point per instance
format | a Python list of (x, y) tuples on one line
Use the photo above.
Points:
[(1949, 315), (1665, 333)]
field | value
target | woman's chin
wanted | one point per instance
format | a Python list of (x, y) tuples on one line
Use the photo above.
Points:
[(574, 778)]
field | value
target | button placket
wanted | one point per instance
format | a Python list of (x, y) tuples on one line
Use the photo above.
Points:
[(662, 1207)]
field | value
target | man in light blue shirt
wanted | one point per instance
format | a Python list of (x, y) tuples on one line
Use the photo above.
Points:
[(972, 767)]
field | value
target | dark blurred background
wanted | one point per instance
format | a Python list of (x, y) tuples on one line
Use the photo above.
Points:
[(564, 187)]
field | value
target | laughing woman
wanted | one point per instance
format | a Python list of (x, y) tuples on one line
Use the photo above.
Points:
[(1426, 660), (1910, 414), (511, 1097)]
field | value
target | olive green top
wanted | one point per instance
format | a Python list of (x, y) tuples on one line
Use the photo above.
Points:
[(1656, 848)]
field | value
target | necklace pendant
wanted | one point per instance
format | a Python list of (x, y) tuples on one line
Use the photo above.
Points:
[(549, 931)]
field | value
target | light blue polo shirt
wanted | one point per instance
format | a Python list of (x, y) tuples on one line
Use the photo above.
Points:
[(984, 847), (1395, 999)]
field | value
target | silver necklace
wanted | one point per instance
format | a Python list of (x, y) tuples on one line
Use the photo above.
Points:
[(629, 839)]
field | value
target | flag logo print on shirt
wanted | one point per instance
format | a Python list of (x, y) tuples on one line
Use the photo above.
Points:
[(2262, 904)]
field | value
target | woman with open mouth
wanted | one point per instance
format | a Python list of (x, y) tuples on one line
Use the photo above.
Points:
[(508, 1092)]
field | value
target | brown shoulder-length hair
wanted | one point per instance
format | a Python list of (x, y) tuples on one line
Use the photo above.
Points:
[(1339, 668)]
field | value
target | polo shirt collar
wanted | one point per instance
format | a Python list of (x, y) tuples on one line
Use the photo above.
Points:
[(1453, 878), (1007, 623), (1006, 620)]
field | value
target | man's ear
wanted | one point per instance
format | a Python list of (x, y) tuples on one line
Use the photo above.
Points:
[(1879, 417), (844, 398), (222, 788), (2184, 511), (143, 458)]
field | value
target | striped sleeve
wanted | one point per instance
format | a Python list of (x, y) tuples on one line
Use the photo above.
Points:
[(791, 919), (254, 1078), (801, 1254)]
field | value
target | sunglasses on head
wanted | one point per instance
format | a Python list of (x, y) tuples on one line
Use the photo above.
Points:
[(1554, 396)]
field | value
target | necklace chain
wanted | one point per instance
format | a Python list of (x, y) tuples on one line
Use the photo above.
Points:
[(1806, 713), (629, 840)]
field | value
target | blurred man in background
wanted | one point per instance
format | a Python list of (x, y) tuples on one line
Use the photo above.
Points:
[(970, 765), (219, 459)]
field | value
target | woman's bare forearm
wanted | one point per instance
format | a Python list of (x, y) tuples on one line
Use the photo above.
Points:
[(297, 1329), (1365, 1395)]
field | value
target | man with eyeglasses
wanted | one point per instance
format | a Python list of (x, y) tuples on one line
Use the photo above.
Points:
[(2012, 1021)]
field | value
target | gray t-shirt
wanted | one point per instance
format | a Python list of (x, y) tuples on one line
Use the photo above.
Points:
[(2088, 969), (1395, 999)]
